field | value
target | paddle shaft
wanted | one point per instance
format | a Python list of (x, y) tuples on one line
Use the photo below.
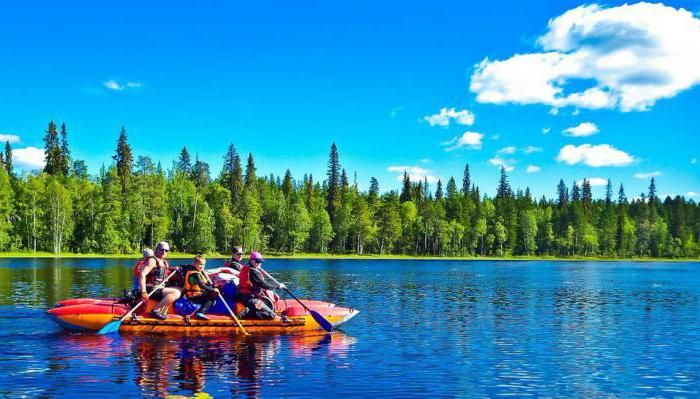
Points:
[(285, 289), (206, 275), (156, 288)]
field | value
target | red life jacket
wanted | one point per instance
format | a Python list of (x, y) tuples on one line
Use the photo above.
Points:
[(156, 275), (245, 286)]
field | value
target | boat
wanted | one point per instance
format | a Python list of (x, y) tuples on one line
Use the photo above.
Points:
[(91, 314)]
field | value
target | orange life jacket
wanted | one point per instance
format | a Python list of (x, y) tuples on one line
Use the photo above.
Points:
[(192, 289), (245, 287)]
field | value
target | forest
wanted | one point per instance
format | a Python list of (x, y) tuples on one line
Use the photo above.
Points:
[(133, 203)]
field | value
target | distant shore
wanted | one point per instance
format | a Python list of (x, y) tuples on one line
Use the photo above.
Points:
[(180, 255)]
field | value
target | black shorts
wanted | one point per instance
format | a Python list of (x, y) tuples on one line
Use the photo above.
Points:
[(157, 295)]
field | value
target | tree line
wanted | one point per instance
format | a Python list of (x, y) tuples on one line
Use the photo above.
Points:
[(135, 203)]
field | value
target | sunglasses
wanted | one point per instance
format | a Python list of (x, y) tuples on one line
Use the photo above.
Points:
[(258, 260)]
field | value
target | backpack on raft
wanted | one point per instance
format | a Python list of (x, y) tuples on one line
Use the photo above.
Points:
[(184, 306)]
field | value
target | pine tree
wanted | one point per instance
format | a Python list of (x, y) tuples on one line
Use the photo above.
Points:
[(608, 193), (52, 150), (451, 189), (344, 184), (232, 174), (8, 159), (438, 191), (287, 184), (373, 190), (333, 194), (124, 159), (184, 163), (504, 189), (652, 192), (587, 193), (575, 193), (250, 178), (466, 180), (562, 194), (65, 159), (406, 190), (621, 197)]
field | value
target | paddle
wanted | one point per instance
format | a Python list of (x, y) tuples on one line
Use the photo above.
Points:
[(113, 326), (227, 307), (322, 321)]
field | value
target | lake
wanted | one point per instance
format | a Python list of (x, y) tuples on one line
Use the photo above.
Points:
[(426, 328)]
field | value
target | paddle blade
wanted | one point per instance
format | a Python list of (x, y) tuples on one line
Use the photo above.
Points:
[(110, 328), (321, 320)]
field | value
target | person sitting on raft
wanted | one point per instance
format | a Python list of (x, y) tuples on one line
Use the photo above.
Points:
[(235, 262), (198, 287), (147, 253), (152, 273), (251, 290)]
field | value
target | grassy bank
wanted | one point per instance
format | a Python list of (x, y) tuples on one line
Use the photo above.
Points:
[(180, 255)]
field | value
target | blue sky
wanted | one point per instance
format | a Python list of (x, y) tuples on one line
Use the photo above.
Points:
[(284, 80)]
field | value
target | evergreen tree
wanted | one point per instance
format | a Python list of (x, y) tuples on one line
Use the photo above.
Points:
[(407, 188), (621, 197), (652, 192), (466, 180), (575, 193), (587, 193), (608, 193), (373, 190), (65, 159), (438, 191), (184, 163), (8, 159), (250, 179), (562, 194), (52, 150), (287, 184), (333, 193), (504, 190), (124, 159)]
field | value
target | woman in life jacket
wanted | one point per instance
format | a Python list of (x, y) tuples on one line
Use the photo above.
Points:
[(198, 287), (235, 262), (252, 290), (153, 271)]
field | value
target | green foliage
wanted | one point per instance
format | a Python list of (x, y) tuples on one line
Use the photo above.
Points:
[(131, 206)]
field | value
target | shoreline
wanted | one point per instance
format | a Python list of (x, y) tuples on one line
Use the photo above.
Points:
[(301, 256)]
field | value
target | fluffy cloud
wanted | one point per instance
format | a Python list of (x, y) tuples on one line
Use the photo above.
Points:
[(507, 164), (532, 169), (462, 117), (595, 181), (28, 158), (471, 140), (594, 155), (628, 57), (647, 175), (116, 86), (584, 129), (11, 138), (415, 173), (691, 194)]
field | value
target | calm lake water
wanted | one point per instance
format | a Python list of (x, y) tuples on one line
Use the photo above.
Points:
[(427, 328)]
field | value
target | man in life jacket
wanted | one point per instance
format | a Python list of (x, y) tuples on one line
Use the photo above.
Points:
[(235, 262), (198, 287), (153, 271), (252, 289), (147, 253)]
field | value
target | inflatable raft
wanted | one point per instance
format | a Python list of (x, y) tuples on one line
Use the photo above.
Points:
[(89, 314)]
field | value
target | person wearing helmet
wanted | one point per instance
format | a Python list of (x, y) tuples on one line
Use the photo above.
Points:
[(153, 272), (252, 289)]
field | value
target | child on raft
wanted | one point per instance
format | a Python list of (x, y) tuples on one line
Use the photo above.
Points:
[(199, 288)]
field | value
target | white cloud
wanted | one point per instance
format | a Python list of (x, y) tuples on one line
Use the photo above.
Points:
[(507, 150), (693, 161), (471, 140), (647, 175), (631, 56), (28, 158), (415, 173), (531, 148), (545, 130), (112, 84), (584, 129), (426, 160), (463, 117), (12, 138), (595, 181), (594, 155), (500, 162), (532, 169), (691, 194)]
